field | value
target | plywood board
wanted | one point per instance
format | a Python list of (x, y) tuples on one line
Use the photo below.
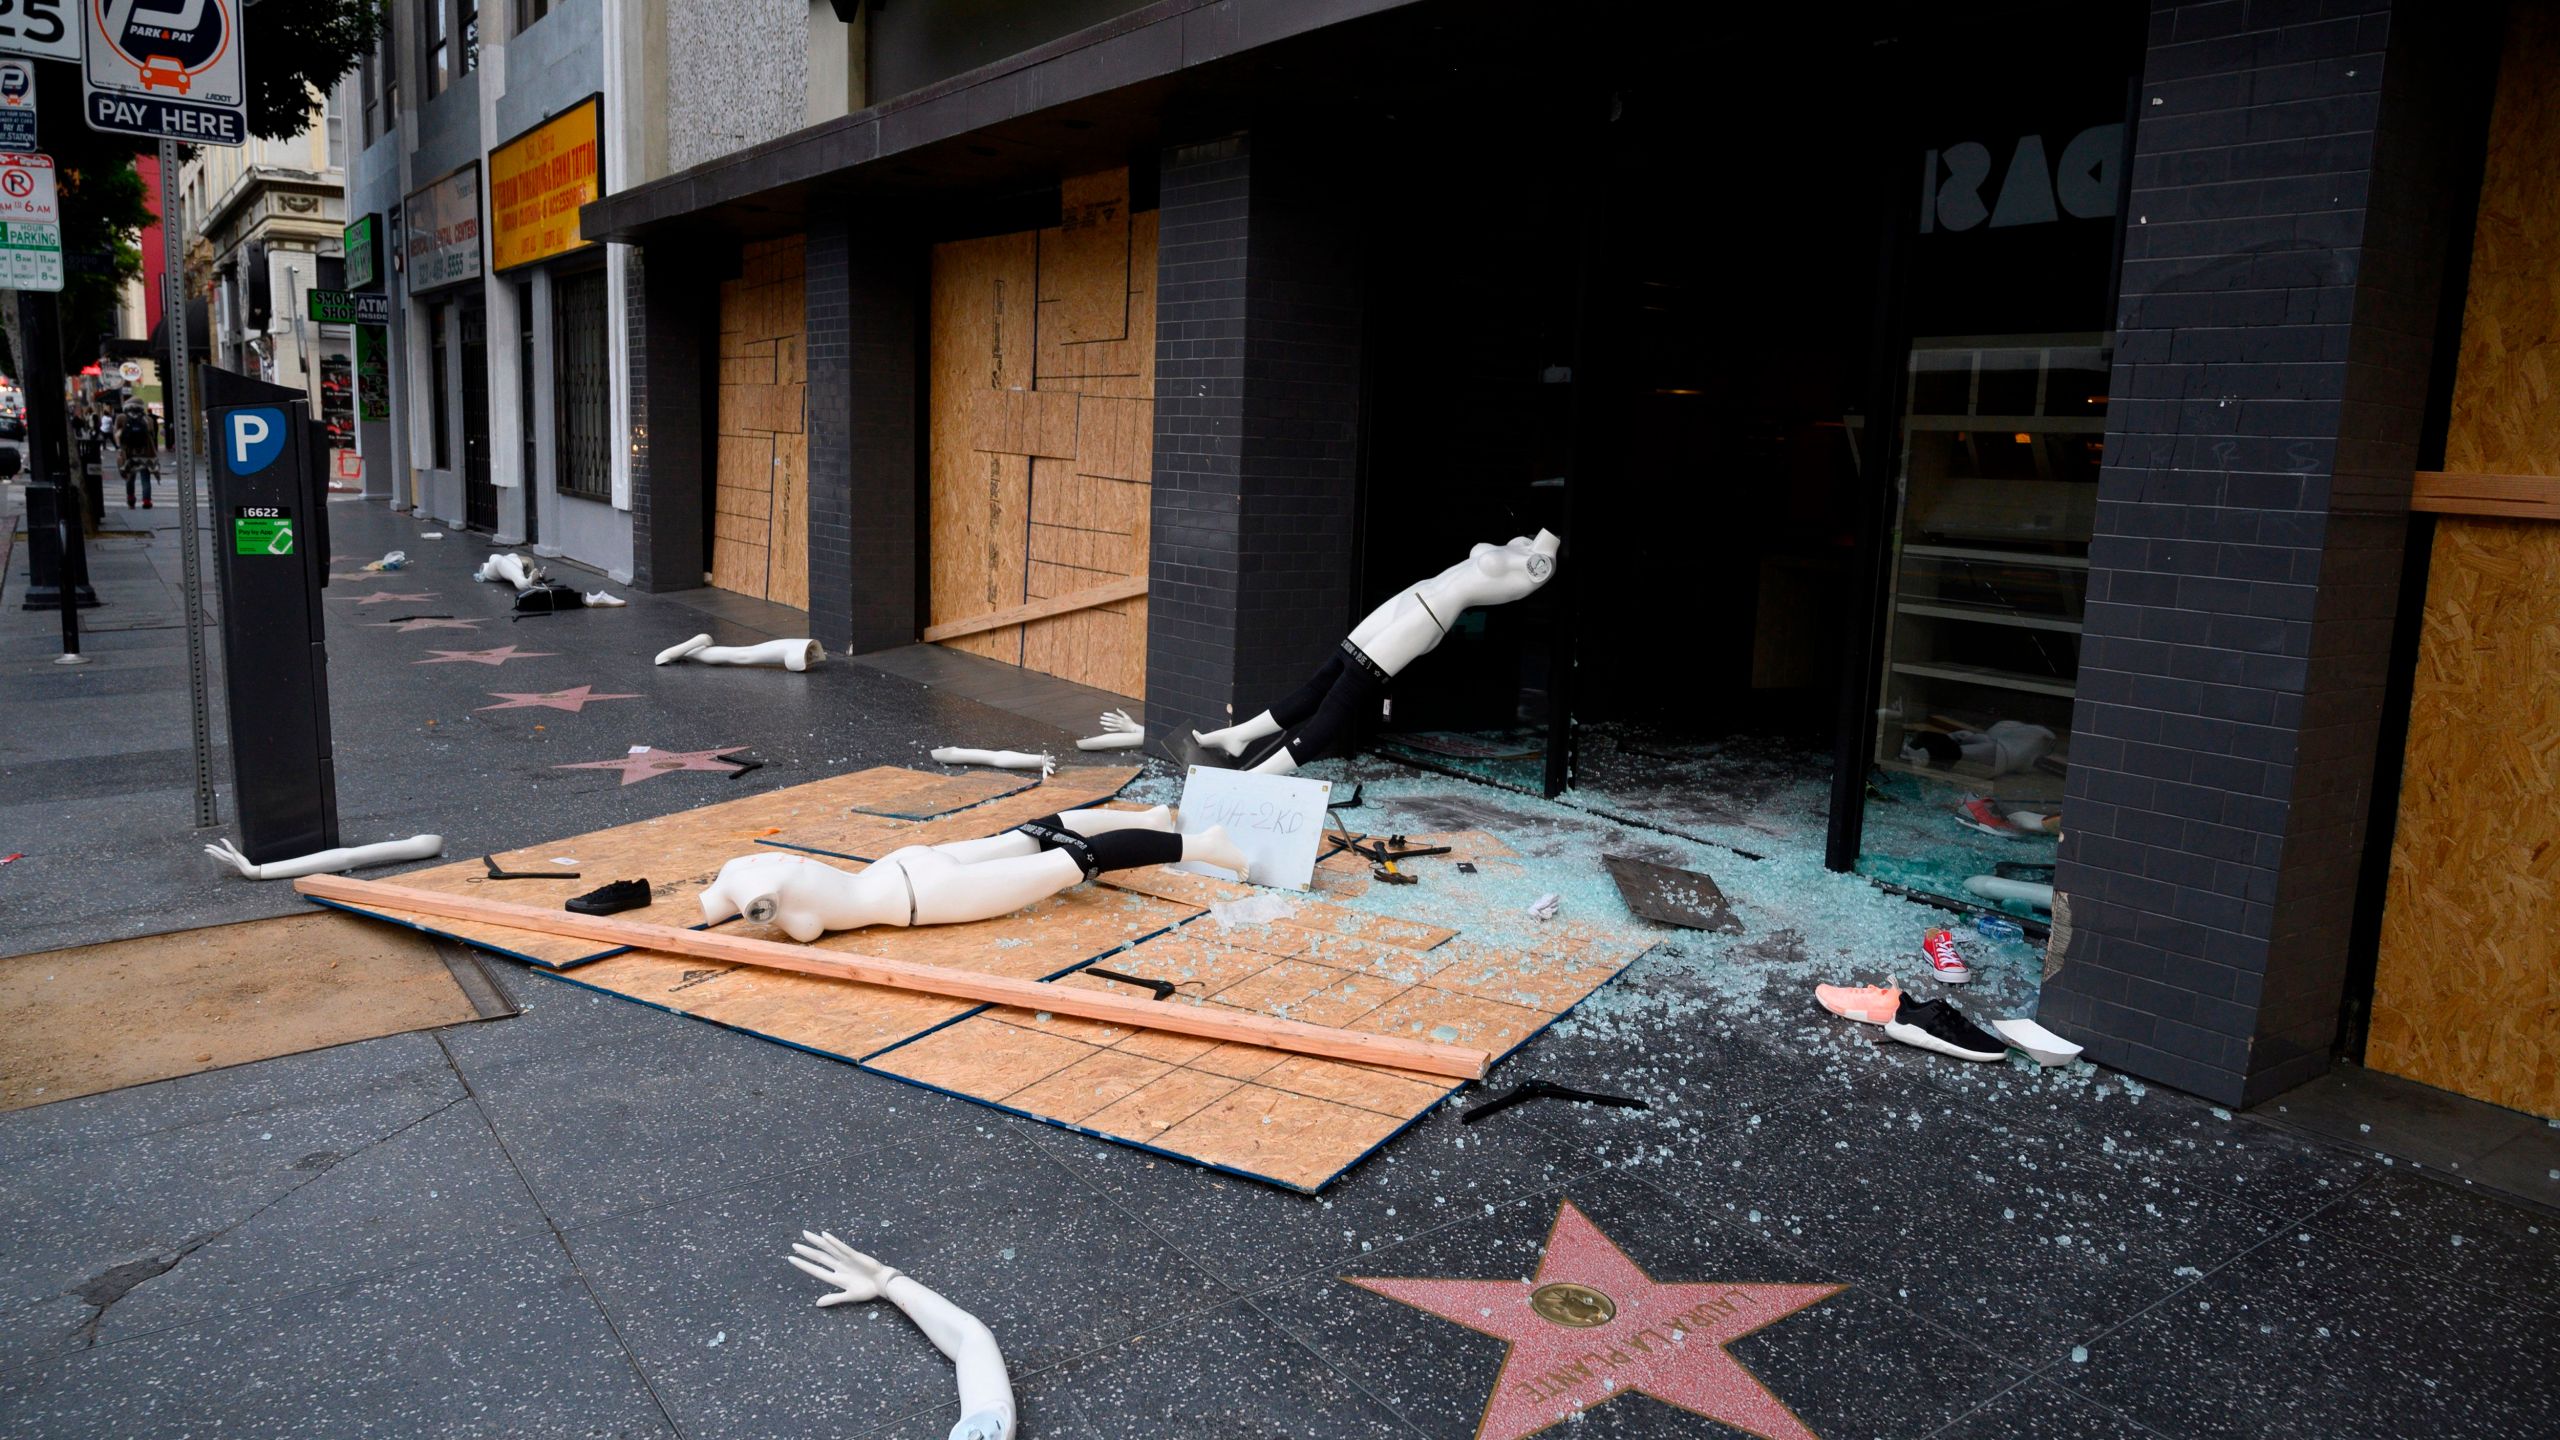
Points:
[(2467, 983), (2467, 986), (759, 499), (1084, 263), (680, 853), (1289, 1120), (127, 1012), (1034, 525)]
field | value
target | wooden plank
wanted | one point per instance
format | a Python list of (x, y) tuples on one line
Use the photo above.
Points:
[(738, 565), (1023, 422), (1015, 615), (1124, 367), (1206, 1022), (1084, 263), (980, 337), (789, 584), (2505, 418), (1115, 437), (2516, 497)]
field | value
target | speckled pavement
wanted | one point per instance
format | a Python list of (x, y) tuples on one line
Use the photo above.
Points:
[(573, 1223)]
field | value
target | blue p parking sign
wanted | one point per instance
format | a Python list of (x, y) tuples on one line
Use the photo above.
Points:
[(253, 439)]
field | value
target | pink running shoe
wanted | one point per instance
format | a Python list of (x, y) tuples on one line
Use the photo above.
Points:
[(1945, 960), (1868, 1004)]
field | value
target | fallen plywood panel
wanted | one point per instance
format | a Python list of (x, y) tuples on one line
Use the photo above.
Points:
[(868, 837), (1382, 1045), (1290, 1120), (101, 1017)]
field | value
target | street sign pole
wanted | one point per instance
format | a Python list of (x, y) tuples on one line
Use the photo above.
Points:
[(173, 310)]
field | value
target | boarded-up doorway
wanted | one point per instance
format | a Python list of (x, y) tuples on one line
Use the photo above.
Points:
[(1042, 440), (760, 503)]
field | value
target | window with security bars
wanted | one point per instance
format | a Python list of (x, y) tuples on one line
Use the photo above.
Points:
[(584, 393)]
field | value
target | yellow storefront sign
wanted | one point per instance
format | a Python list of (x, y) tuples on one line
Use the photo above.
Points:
[(538, 180)]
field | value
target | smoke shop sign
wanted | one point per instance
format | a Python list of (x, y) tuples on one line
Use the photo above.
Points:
[(442, 223), (537, 181)]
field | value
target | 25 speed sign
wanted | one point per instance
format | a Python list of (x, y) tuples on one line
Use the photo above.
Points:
[(40, 28)]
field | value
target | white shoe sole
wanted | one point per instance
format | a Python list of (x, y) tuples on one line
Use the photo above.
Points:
[(1957, 976), (1914, 1035)]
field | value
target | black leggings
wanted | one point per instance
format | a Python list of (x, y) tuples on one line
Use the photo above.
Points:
[(1324, 712), (1111, 850)]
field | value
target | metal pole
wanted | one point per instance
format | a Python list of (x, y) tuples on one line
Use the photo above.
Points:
[(70, 574), (173, 306)]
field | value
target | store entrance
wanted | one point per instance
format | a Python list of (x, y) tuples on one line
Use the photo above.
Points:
[(479, 488)]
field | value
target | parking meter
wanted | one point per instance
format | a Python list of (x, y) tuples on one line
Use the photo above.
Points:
[(271, 557)]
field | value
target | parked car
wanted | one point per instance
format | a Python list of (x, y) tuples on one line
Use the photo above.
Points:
[(13, 426)]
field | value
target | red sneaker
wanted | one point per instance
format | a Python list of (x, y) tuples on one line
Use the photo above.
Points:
[(1945, 960)]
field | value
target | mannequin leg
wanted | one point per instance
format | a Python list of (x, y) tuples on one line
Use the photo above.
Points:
[(1300, 705), (950, 893), (1328, 726)]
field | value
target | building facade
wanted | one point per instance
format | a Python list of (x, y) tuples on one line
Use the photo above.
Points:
[(2027, 400), (270, 215)]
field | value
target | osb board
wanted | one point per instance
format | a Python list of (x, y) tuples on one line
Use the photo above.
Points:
[(1039, 466), (679, 854), (760, 505), (1085, 262), (851, 1021), (983, 310), (2506, 411), (2467, 988), (101, 1017), (1290, 1120), (2467, 985)]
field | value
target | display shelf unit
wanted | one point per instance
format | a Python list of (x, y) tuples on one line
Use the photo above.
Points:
[(1995, 498)]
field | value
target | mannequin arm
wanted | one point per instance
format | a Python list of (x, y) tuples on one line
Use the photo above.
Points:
[(1119, 732), (1001, 759), (327, 862), (789, 654), (986, 1392)]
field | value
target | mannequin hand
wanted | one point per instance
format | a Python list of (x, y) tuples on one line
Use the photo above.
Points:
[(856, 1276), (1117, 722), (223, 851)]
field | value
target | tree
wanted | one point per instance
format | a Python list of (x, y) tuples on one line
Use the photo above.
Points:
[(294, 49)]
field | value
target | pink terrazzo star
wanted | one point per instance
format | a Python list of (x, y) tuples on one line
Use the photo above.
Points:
[(575, 699), (427, 622), (499, 656), (1592, 1325), (361, 575), (650, 762), (387, 597)]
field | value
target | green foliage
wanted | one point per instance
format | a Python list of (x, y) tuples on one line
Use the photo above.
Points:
[(297, 46), (103, 207)]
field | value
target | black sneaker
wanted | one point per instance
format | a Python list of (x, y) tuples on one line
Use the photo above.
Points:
[(1937, 1025)]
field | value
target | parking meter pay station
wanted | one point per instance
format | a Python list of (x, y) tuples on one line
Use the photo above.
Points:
[(271, 557)]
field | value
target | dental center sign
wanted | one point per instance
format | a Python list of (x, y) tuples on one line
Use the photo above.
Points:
[(166, 69)]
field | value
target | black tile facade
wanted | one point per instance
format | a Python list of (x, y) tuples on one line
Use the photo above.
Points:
[(864, 305), (1257, 419), (2283, 254), (678, 328)]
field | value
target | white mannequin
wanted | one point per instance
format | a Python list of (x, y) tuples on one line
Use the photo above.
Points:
[(1119, 732), (1397, 633), (507, 570), (328, 862), (789, 654), (944, 884), (1000, 759), (986, 1393)]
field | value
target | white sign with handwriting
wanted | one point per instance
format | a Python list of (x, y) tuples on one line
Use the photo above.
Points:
[(1276, 820)]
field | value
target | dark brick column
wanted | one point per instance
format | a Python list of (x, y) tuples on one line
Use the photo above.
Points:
[(2283, 258), (677, 333), (864, 304), (1257, 420)]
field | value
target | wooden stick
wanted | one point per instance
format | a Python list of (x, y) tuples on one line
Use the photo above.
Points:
[(2515, 497), (1129, 589), (1202, 1021)]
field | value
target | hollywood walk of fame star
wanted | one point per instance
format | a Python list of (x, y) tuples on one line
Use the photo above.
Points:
[(650, 761), (1592, 1325), (428, 622), (499, 656), (575, 699), (387, 597), (360, 575)]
